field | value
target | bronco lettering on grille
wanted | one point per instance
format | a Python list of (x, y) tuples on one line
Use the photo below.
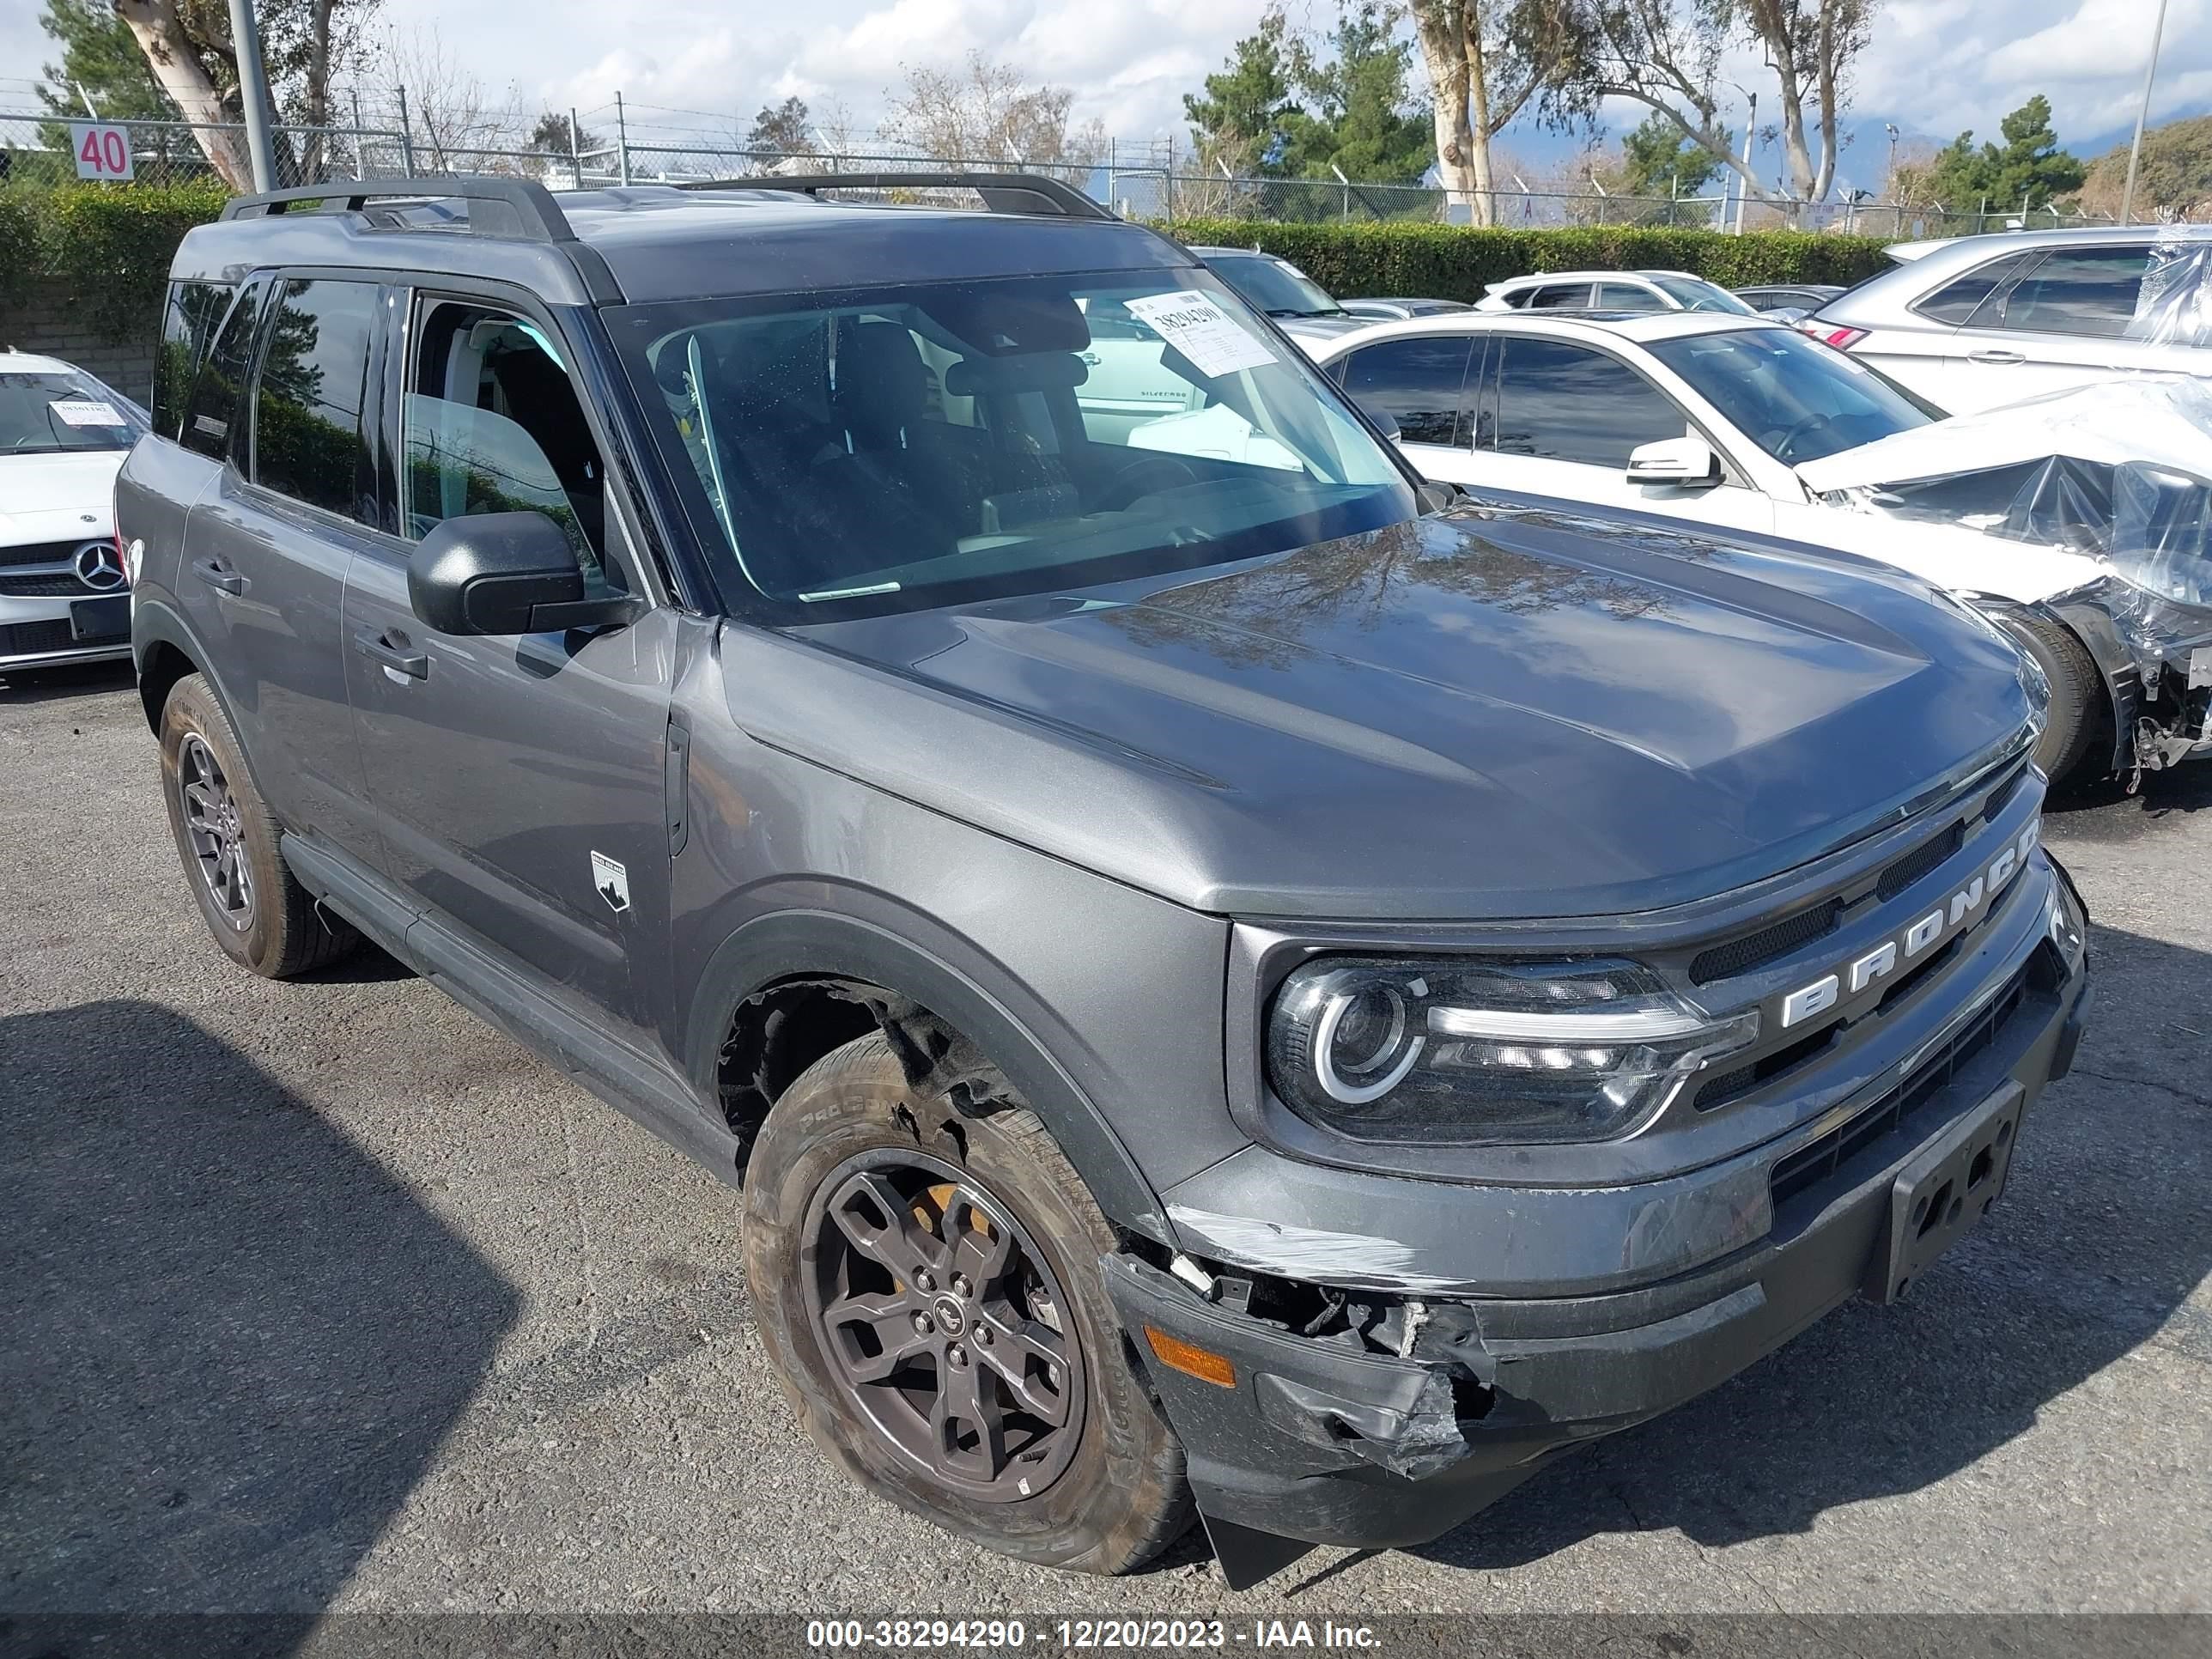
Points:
[(1924, 932)]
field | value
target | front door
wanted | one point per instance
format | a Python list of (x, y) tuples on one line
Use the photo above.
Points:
[(518, 780)]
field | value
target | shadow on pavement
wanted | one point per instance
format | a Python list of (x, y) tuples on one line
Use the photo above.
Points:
[(60, 685), (2105, 1230), (233, 1341)]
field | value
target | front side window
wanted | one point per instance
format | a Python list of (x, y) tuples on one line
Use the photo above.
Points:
[(1274, 286), (920, 446), (1417, 381), (1793, 396), (310, 441), (2091, 291), (491, 423), (1695, 294), (1560, 402), (46, 412), (193, 311)]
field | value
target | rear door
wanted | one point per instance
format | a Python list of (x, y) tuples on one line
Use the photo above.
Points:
[(2062, 322), (281, 402), (1420, 380), (1560, 417), (519, 780)]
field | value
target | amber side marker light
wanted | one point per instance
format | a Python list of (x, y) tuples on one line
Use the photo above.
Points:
[(1181, 1355)]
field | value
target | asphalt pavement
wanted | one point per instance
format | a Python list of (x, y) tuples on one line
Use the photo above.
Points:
[(325, 1295)]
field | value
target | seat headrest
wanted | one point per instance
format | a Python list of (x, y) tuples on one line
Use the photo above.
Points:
[(883, 385)]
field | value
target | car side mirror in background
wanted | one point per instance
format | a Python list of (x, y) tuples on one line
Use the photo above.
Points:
[(1382, 419), (505, 573), (1682, 461)]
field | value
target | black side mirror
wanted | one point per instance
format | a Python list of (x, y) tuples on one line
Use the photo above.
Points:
[(1384, 420), (504, 573)]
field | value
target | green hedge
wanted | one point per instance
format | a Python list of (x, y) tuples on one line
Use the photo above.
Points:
[(1453, 262), (107, 249)]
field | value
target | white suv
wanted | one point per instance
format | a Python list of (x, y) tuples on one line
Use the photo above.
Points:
[(63, 596), (1610, 290), (1979, 321)]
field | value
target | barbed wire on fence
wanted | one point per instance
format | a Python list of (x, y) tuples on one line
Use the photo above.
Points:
[(1140, 180)]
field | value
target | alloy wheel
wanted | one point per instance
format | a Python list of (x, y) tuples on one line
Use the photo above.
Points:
[(216, 831)]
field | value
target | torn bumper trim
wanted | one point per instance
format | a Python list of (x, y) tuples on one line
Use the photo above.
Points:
[(1323, 1441)]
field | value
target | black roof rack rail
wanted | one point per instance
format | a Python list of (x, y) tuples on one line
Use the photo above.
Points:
[(1002, 192), (536, 217)]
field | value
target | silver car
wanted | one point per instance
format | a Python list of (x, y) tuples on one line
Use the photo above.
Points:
[(63, 595), (1976, 322)]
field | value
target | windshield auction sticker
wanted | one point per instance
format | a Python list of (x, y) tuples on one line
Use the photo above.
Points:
[(1193, 324), (84, 412)]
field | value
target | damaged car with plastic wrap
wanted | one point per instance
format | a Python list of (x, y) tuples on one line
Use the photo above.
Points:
[(2092, 508), (1234, 982)]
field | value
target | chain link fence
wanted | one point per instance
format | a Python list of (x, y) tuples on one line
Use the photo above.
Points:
[(1140, 181)]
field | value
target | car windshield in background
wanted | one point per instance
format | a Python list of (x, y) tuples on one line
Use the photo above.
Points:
[(1694, 293), (1796, 398), (1271, 286), (42, 414), (967, 440)]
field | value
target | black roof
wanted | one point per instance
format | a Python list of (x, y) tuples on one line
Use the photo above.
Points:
[(649, 242)]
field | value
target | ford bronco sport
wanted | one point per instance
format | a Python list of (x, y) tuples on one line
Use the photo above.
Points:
[(1230, 981)]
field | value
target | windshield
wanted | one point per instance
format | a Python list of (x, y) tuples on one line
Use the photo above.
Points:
[(1270, 285), (1796, 398), (1694, 293), (47, 412), (945, 442)]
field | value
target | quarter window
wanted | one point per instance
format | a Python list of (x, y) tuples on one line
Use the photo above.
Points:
[(1417, 381), (189, 319), (1957, 300), (309, 441), (206, 423), (1559, 402)]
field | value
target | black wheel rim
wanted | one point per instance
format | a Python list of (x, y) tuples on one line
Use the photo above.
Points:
[(213, 827), (944, 1326)]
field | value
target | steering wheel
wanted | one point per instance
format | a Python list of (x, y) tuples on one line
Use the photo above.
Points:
[(1146, 476), (1781, 448)]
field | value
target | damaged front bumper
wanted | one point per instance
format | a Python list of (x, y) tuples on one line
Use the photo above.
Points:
[(2156, 659), (1365, 1416)]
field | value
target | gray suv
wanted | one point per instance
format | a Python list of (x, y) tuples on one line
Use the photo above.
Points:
[(1231, 980)]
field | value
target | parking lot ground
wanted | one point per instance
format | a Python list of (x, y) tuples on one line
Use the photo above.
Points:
[(326, 1295)]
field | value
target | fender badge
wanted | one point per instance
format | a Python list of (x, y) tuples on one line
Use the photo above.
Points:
[(612, 880)]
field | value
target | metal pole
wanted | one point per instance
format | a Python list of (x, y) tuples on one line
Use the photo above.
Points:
[(1743, 184), (406, 133), (253, 91), (622, 141), (2142, 111), (360, 166), (575, 147)]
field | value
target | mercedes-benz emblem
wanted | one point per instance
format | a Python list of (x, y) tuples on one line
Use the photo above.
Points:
[(99, 566)]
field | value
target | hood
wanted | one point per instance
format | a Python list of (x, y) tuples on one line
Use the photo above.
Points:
[(2162, 421), (1464, 717), (52, 498), (1321, 328)]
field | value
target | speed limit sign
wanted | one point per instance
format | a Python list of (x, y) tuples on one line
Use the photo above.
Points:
[(102, 151)]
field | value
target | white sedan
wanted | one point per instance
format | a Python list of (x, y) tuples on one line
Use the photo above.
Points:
[(1719, 419), (63, 598)]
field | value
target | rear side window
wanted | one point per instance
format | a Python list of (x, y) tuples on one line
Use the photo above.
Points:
[(189, 321), (1958, 300), (1417, 381), (1627, 297), (1559, 402), (309, 439), (1561, 296), (218, 388), (2091, 291)]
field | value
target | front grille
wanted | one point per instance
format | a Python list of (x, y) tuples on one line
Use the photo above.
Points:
[(42, 552), (2000, 797), (36, 638), (43, 587), (1809, 1165), (1776, 939), (1928, 856)]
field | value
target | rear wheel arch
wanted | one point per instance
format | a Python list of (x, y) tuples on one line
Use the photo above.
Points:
[(792, 986)]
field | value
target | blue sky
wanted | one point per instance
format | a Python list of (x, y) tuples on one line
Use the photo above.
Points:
[(1935, 67)]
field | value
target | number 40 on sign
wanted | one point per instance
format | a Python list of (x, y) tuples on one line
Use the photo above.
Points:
[(102, 151)]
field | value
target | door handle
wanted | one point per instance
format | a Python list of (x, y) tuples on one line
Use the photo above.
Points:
[(1995, 356), (216, 573), (393, 651)]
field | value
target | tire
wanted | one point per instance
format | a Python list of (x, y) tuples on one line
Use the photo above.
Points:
[(1110, 1491), (2079, 711), (267, 923)]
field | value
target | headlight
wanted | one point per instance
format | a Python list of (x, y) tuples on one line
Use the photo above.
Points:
[(1475, 1052), (2069, 928), (2037, 685)]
